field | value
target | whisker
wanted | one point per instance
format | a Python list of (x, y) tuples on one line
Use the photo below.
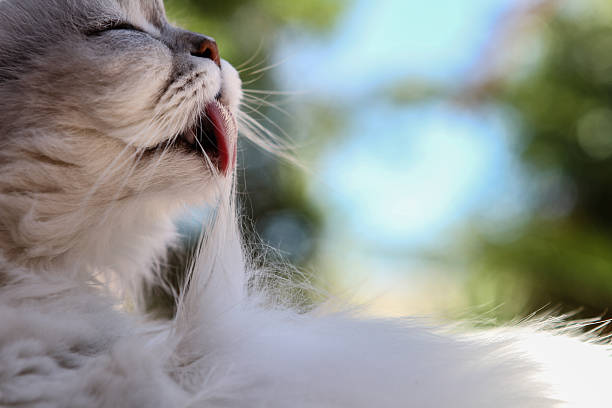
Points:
[(267, 140), (272, 92), (252, 81), (270, 104), (252, 57), (271, 66), (273, 123), (252, 67)]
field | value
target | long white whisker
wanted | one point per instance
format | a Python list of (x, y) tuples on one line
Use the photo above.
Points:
[(271, 66), (253, 80), (270, 104), (273, 123), (240, 67), (272, 92)]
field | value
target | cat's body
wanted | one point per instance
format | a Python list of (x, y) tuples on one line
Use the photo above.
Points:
[(101, 144)]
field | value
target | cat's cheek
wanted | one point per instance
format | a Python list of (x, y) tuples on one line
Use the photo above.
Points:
[(129, 103)]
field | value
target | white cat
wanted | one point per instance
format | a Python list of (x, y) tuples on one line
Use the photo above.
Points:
[(111, 121)]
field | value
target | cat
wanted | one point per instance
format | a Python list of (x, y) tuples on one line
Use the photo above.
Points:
[(112, 122)]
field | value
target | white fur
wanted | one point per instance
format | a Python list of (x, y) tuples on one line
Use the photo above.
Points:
[(86, 213)]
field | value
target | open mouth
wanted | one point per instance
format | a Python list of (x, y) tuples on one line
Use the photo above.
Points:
[(213, 134)]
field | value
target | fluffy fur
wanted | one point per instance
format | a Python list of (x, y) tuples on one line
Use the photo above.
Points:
[(92, 177)]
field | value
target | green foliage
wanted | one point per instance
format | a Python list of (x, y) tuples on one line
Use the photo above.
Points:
[(563, 257)]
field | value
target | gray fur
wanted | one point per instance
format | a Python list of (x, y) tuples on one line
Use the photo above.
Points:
[(91, 181)]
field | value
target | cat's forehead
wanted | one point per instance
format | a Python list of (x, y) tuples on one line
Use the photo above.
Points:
[(151, 11), (133, 11), (35, 14), (139, 12)]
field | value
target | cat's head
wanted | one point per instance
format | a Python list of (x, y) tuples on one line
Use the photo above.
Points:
[(109, 117)]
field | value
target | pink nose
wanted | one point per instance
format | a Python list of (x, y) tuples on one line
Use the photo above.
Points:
[(207, 48)]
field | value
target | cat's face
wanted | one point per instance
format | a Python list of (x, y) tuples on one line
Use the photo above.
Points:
[(105, 105), (117, 68)]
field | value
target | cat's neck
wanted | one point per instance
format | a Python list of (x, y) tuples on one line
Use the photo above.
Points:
[(122, 248), (56, 217)]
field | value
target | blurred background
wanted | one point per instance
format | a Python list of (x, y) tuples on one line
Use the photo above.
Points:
[(455, 155)]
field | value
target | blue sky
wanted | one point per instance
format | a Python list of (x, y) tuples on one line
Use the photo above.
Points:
[(377, 42), (403, 175)]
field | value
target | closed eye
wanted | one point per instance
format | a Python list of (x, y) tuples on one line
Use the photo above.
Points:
[(111, 26)]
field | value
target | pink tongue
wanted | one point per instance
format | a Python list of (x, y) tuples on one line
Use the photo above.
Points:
[(215, 113)]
